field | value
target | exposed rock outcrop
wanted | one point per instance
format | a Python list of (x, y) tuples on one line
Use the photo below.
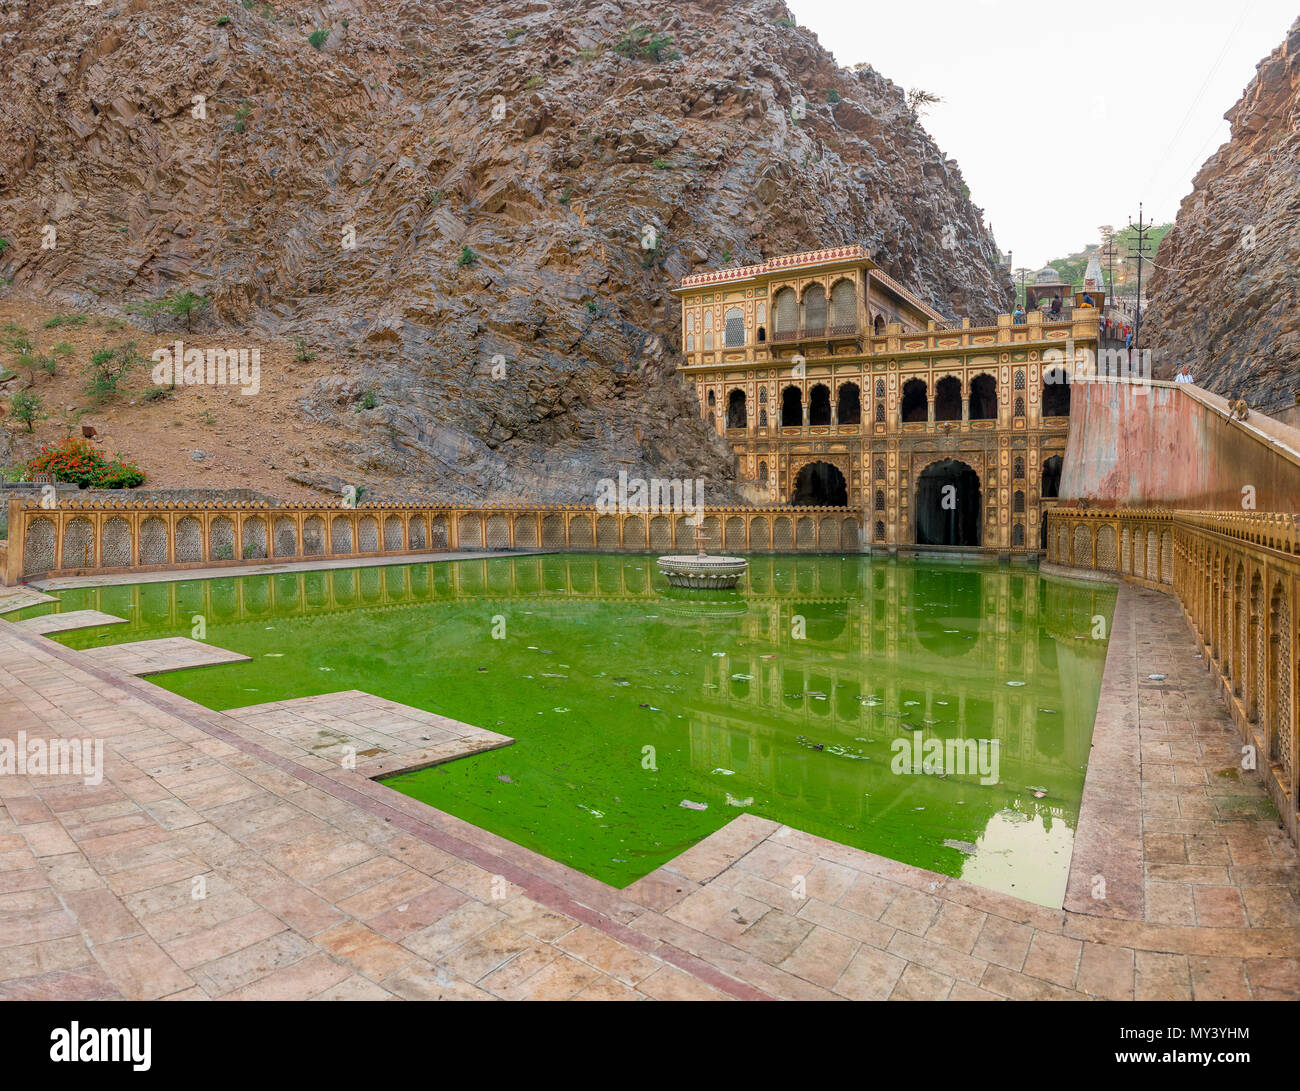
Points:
[(1226, 297), (502, 165)]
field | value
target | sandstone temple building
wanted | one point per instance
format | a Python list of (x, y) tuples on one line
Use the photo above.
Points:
[(836, 385)]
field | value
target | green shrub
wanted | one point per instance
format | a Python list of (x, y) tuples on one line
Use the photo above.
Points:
[(660, 164), (108, 367), (26, 409), (786, 21), (511, 35), (832, 96), (643, 43), (156, 393), (187, 305), (301, 352), (318, 37), (567, 195), (367, 401), (466, 256), (76, 321), (147, 308), (222, 20)]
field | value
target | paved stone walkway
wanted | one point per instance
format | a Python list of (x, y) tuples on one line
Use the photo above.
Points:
[(45, 624), (216, 860), (169, 653), (381, 737)]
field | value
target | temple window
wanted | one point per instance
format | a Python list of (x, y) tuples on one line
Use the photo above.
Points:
[(983, 398), (736, 415), (734, 328), (814, 310), (791, 407), (915, 406), (850, 404), (819, 405), (844, 307), (786, 311)]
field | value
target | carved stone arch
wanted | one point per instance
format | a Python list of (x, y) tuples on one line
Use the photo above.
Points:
[(840, 462)]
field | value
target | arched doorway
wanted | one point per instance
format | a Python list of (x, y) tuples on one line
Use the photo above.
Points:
[(983, 398), (915, 406), (819, 405), (791, 407), (948, 504), (1056, 392), (1052, 478), (736, 415), (819, 484), (850, 404), (947, 398)]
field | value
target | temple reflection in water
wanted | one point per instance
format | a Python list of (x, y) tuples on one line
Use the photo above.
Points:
[(787, 692)]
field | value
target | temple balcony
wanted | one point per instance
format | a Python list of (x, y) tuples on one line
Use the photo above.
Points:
[(844, 331), (834, 342)]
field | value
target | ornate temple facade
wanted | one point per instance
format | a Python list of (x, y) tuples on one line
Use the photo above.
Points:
[(835, 384)]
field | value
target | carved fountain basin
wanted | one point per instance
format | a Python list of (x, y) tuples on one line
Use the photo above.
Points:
[(703, 573)]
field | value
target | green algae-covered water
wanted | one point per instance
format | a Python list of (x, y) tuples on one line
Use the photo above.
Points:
[(645, 718)]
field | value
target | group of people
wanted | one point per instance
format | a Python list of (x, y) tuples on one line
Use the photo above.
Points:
[(1117, 331), (1052, 309)]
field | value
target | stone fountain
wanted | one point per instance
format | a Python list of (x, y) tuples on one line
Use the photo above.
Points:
[(700, 571)]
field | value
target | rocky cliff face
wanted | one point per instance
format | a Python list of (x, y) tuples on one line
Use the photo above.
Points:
[(451, 203), (1227, 296)]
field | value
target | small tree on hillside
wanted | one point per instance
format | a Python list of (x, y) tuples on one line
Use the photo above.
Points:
[(187, 305), (919, 100), (26, 408), (108, 367), (149, 308)]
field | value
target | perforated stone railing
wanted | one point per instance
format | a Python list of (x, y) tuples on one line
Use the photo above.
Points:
[(1237, 575), (92, 538)]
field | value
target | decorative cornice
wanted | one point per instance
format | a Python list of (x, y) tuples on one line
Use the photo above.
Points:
[(852, 252)]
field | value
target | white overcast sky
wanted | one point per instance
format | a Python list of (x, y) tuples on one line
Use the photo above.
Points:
[(1151, 79)]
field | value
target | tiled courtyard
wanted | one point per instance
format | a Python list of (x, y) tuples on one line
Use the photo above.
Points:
[(316, 882)]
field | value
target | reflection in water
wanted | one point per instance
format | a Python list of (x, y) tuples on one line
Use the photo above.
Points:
[(627, 698)]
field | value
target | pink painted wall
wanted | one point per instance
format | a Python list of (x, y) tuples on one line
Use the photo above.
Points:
[(1167, 446)]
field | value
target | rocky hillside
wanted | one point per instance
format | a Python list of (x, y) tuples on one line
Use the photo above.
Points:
[(1226, 297), (449, 204)]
